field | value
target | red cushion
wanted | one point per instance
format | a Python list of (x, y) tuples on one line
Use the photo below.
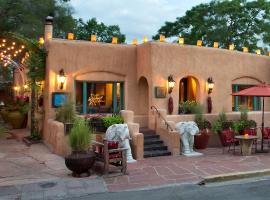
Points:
[(266, 133), (112, 144)]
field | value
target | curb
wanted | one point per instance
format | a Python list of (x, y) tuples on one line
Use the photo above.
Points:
[(234, 176)]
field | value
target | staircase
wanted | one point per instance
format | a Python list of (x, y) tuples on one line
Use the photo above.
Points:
[(153, 146)]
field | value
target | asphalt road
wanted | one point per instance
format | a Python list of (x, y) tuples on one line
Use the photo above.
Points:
[(241, 190)]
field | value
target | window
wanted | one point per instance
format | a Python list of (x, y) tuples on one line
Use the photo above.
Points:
[(241, 102), (99, 97)]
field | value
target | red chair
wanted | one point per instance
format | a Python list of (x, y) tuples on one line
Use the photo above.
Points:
[(266, 134), (227, 140)]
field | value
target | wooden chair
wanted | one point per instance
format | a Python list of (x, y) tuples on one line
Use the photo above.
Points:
[(109, 153)]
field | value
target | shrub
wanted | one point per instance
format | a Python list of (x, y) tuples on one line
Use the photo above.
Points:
[(66, 112), (201, 122), (80, 135), (221, 123), (189, 107), (115, 119)]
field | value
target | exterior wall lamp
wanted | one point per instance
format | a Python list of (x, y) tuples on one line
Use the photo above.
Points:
[(210, 85), (61, 79), (171, 84)]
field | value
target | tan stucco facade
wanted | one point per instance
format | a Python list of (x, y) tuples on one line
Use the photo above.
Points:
[(146, 66)]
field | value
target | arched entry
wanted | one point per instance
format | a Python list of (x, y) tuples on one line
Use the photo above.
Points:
[(143, 99), (188, 89)]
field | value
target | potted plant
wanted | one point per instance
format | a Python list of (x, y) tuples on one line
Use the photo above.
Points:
[(101, 122), (243, 124), (189, 107), (18, 110), (80, 160), (66, 114), (201, 140)]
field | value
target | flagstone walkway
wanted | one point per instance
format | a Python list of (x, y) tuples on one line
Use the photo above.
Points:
[(21, 165)]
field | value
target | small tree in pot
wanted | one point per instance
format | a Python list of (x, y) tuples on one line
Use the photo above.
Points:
[(80, 160)]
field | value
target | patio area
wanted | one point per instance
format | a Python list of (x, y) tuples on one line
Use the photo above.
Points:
[(22, 165)]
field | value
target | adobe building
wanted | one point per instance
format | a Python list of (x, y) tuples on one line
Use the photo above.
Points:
[(135, 77)]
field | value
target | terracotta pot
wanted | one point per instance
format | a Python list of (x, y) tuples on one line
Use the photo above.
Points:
[(4, 113), (201, 141), (16, 119), (80, 162)]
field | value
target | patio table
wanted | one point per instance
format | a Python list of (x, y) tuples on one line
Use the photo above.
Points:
[(246, 143)]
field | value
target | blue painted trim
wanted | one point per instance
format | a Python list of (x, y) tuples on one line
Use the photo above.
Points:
[(255, 107), (235, 88), (84, 97), (122, 96), (114, 97)]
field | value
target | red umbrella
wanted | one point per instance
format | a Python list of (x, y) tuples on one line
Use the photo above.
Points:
[(261, 90)]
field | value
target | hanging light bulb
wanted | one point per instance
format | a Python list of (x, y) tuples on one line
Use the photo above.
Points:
[(4, 40), (8, 48), (13, 43), (23, 47)]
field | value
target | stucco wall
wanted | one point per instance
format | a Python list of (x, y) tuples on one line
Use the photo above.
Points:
[(224, 66), (84, 60)]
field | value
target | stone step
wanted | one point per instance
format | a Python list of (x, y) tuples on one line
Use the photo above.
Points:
[(147, 131), (152, 147), (146, 137), (156, 153), (153, 141)]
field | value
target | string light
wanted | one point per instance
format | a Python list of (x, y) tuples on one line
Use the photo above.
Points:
[(12, 47), (22, 46), (4, 40), (13, 43)]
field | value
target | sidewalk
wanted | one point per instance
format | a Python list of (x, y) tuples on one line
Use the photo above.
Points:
[(34, 172)]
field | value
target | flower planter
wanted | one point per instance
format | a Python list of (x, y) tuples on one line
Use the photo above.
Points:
[(4, 113), (79, 162), (201, 141), (16, 119)]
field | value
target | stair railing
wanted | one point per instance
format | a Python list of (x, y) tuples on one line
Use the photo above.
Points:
[(160, 116)]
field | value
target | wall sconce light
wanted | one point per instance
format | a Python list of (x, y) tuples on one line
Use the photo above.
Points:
[(231, 47), (210, 85), (93, 38), (181, 40), (245, 49), (258, 52), (199, 43), (61, 79), (135, 41), (70, 36), (215, 44), (269, 53), (171, 84), (114, 40), (162, 38)]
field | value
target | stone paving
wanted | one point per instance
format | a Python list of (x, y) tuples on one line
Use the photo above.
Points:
[(36, 173), (158, 171)]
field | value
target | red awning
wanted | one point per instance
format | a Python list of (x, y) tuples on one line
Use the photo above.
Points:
[(262, 90)]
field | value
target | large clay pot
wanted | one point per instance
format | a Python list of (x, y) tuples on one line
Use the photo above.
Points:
[(4, 113), (201, 141), (79, 162), (16, 119)]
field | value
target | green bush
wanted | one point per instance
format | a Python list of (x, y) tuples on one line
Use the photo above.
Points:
[(80, 135), (201, 122), (189, 107), (66, 112), (221, 123), (115, 119)]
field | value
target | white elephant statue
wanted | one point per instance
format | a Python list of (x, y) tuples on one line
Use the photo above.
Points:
[(120, 133), (187, 130)]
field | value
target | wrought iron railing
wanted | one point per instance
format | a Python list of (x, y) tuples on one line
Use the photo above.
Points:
[(160, 116)]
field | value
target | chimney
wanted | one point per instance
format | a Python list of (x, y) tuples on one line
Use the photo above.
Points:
[(48, 32)]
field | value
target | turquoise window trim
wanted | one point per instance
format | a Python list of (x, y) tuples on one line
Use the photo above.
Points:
[(255, 103), (122, 96), (84, 97), (86, 108), (260, 103), (235, 89)]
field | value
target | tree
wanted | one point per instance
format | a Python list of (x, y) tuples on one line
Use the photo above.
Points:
[(104, 33), (241, 22), (27, 17)]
